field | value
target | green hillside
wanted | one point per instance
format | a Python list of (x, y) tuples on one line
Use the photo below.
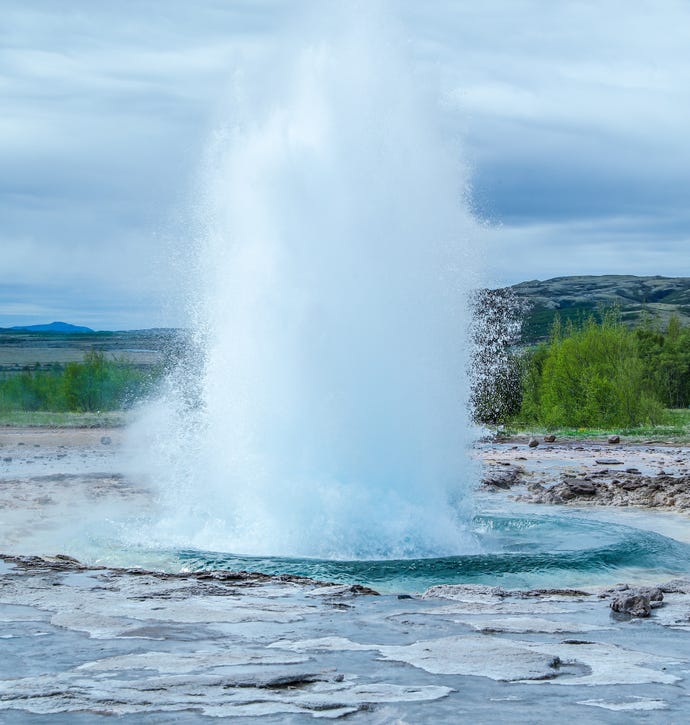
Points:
[(575, 298)]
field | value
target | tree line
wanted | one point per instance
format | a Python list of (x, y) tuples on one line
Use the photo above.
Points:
[(597, 373)]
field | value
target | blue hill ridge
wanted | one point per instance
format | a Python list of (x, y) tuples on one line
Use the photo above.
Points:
[(64, 327)]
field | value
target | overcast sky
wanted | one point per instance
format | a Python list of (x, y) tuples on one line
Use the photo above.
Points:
[(573, 118)]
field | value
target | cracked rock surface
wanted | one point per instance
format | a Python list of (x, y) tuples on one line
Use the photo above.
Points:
[(99, 641), (651, 476)]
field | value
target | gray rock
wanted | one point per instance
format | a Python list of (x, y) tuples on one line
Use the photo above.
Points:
[(654, 594), (631, 485), (106, 440), (636, 605), (614, 439), (635, 601), (503, 479), (676, 586), (580, 487), (533, 443)]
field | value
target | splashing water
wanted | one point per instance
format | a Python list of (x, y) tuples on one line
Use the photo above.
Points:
[(330, 296)]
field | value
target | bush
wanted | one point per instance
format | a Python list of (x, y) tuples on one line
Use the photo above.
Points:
[(95, 384), (666, 359), (591, 376)]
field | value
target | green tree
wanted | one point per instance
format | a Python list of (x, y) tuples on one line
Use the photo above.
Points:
[(665, 355), (96, 383), (589, 376)]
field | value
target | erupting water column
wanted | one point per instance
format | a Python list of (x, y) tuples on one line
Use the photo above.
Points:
[(331, 291)]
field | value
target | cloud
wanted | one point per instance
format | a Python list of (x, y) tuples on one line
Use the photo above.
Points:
[(572, 116), (624, 245)]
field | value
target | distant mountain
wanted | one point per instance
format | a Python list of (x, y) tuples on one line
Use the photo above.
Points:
[(574, 298), (63, 327)]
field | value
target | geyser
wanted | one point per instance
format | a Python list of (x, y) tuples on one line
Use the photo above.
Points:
[(330, 298)]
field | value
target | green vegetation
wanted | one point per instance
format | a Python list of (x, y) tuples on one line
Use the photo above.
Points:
[(676, 427), (96, 384), (578, 297), (666, 360), (49, 419), (602, 374)]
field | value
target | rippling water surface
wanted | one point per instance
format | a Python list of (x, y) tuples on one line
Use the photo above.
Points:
[(517, 551)]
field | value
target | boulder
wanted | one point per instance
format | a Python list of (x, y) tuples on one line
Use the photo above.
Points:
[(580, 487), (631, 485), (676, 586), (533, 443), (654, 594), (635, 601), (504, 480), (549, 438), (614, 439), (636, 605)]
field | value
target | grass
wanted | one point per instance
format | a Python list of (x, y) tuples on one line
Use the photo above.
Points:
[(676, 428), (49, 419)]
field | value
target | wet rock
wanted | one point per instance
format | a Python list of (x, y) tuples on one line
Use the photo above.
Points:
[(549, 438), (632, 490), (344, 590), (635, 489), (503, 479), (654, 594), (634, 601), (630, 485), (676, 586), (614, 439), (636, 605), (464, 592), (106, 440), (499, 659), (533, 443), (497, 482), (609, 462), (560, 593), (581, 487), (355, 590)]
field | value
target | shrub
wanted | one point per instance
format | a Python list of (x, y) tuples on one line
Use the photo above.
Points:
[(591, 376), (96, 383)]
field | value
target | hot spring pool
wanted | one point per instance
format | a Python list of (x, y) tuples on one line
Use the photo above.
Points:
[(528, 550)]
